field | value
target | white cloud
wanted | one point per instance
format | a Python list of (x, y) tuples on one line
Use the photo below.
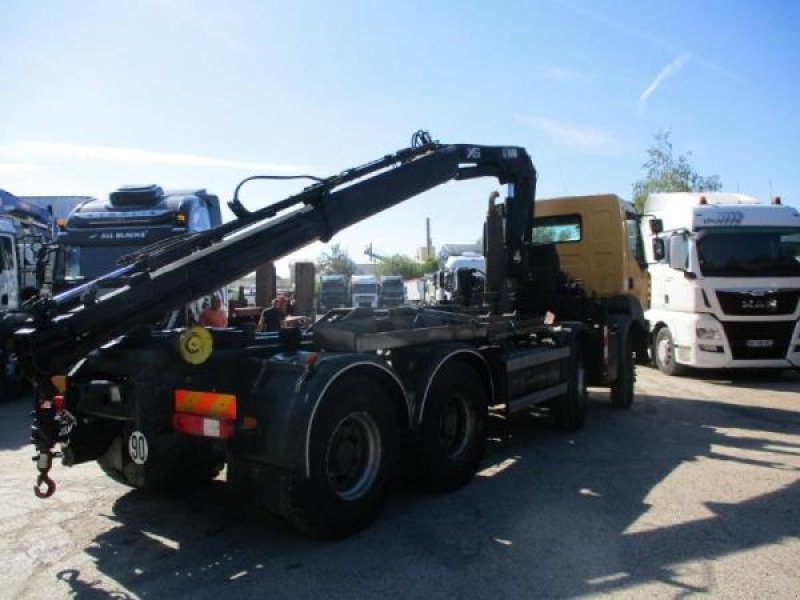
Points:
[(586, 138), (135, 156), (14, 168), (668, 71)]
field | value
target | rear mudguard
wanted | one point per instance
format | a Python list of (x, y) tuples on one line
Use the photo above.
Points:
[(285, 400)]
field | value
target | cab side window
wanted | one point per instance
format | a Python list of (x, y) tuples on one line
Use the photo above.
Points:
[(6, 254), (634, 235)]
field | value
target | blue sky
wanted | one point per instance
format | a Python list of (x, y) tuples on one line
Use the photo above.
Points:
[(185, 94)]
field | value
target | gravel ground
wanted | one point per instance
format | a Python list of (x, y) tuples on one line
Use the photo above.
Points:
[(695, 490)]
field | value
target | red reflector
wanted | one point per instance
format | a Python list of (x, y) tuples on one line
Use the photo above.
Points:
[(58, 403), (202, 426)]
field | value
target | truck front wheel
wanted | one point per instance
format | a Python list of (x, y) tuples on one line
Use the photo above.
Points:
[(352, 452), (570, 409), (451, 441), (622, 388), (664, 353)]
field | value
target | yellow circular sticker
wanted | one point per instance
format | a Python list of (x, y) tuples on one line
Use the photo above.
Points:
[(195, 345)]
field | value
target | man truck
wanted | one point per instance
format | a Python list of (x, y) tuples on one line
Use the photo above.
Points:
[(309, 422), (725, 272), (333, 292), (364, 291), (393, 291)]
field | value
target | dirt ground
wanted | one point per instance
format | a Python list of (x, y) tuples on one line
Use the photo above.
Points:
[(695, 490)]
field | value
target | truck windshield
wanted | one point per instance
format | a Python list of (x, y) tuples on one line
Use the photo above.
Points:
[(751, 252), (364, 288), (90, 262), (393, 286)]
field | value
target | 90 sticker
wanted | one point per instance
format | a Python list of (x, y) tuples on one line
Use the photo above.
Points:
[(137, 447)]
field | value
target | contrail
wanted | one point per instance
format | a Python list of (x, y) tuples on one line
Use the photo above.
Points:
[(672, 68)]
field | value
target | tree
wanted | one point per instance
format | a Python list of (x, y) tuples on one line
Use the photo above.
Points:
[(335, 260), (397, 264), (666, 173)]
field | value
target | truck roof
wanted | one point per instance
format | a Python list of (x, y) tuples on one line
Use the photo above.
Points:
[(11, 204), (561, 205), (683, 210)]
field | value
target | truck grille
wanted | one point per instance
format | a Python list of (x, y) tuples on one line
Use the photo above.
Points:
[(759, 341), (769, 302)]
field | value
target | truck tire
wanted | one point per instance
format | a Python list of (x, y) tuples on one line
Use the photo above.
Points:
[(569, 411), (452, 438), (664, 353), (198, 464), (622, 387), (352, 453)]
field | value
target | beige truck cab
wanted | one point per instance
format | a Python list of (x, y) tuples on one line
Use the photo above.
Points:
[(600, 249), (599, 243)]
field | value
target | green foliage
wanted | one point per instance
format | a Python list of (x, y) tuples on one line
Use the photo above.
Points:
[(398, 264), (335, 261), (667, 173)]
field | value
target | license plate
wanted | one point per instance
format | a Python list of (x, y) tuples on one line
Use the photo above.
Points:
[(759, 343)]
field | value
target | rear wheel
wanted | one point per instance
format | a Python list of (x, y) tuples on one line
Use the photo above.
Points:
[(569, 410), (452, 440), (622, 388), (664, 353), (353, 449)]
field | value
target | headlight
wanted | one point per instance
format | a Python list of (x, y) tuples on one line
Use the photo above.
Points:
[(707, 333)]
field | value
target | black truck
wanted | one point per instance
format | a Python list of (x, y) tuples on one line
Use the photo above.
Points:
[(311, 422)]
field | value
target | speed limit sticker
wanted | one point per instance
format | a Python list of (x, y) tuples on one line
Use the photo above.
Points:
[(137, 447)]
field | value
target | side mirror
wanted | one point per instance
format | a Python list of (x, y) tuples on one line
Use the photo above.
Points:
[(659, 250), (678, 252), (656, 226)]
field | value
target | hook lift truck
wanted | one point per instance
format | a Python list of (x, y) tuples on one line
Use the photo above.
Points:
[(311, 423)]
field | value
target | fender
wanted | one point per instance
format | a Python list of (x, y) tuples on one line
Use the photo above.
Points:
[(418, 370), (289, 395)]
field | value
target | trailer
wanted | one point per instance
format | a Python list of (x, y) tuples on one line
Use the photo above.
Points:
[(313, 423)]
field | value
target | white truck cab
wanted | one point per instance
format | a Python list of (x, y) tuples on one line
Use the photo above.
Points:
[(725, 281), (364, 289), (9, 273)]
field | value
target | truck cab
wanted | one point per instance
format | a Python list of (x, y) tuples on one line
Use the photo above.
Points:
[(98, 232), (599, 243), (332, 292), (393, 291), (364, 290), (9, 279), (726, 281)]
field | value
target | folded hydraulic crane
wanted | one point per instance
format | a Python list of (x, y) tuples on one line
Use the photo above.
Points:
[(314, 428), (62, 330)]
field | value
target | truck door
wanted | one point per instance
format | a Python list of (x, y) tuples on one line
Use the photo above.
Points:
[(637, 278), (9, 284)]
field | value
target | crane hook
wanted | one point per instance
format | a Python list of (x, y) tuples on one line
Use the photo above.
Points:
[(49, 486)]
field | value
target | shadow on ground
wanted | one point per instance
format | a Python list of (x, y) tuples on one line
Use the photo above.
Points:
[(550, 515)]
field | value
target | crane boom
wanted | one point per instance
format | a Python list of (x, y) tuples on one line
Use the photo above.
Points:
[(59, 331)]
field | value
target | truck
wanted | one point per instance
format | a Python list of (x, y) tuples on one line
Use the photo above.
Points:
[(447, 282), (600, 247), (310, 423), (392, 290), (25, 230), (364, 291), (725, 274), (333, 292), (98, 232)]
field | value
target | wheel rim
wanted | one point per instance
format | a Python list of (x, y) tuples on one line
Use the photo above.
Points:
[(664, 351), (353, 456), (456, 425)]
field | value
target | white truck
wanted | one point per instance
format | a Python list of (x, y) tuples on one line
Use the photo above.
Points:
[(447, 287), (25, 229), (725, 281), (364, 290)]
